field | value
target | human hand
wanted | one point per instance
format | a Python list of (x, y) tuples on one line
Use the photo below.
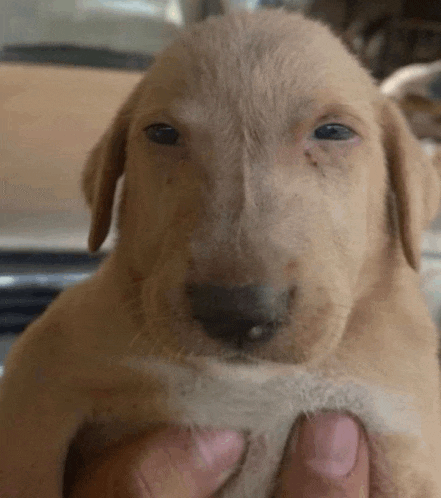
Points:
[(173, 462), (329, 459)]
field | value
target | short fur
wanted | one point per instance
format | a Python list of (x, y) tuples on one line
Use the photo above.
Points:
[(249, 196)]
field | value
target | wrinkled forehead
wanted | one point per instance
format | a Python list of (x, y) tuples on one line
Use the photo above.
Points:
[(259, 66)]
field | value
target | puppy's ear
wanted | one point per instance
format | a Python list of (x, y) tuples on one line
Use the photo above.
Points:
[(103, 168), (414, 177)]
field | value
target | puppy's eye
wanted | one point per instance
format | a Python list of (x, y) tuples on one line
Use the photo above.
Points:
[(162, 134), (333, 131)]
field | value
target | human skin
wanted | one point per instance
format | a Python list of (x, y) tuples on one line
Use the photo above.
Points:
[(328, 458)]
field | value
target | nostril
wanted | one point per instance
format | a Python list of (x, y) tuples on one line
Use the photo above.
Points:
[(239, 316)]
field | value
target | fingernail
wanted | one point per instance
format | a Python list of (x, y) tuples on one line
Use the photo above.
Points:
[(329, 444), (220, 450)]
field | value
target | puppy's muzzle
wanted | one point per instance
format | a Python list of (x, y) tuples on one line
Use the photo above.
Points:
[(240, 316)]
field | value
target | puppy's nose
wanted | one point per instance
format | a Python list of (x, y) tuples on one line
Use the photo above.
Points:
[(239, 316)]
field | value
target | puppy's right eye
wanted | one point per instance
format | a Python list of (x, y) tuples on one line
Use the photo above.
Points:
[(162, 134)]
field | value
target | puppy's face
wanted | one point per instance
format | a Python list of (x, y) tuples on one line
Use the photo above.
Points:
[(255, 195)]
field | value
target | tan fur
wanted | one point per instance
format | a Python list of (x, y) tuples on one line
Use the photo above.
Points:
[(248, 197)]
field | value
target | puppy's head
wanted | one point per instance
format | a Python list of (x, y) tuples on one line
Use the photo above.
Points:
[(263, 175)]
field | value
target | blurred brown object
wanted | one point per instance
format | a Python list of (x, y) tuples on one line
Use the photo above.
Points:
[(385, 35), (414, 103), (417, 90)]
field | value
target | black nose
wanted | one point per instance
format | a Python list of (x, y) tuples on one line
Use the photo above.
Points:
[(239, 316)]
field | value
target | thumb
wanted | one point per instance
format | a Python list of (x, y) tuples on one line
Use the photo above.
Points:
[(330, 458), (170, 463)]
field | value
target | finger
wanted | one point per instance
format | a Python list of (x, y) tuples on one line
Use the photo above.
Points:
[(330, 459), (171, 463)]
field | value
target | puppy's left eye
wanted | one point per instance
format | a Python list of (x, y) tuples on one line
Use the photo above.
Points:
[(162, 134), (333, 131)]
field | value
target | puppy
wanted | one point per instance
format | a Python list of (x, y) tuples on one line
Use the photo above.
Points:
[(272, 206)]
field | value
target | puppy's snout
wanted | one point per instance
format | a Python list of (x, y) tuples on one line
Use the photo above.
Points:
[(239, 316)]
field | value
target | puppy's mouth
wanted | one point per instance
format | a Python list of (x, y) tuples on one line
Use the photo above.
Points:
[(240, 358), (240, 334)]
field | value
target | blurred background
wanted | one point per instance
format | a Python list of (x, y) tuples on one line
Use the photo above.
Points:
[(67, 65)]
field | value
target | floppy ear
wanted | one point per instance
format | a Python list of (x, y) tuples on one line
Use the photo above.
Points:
[(103, 168), (414, 177)]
